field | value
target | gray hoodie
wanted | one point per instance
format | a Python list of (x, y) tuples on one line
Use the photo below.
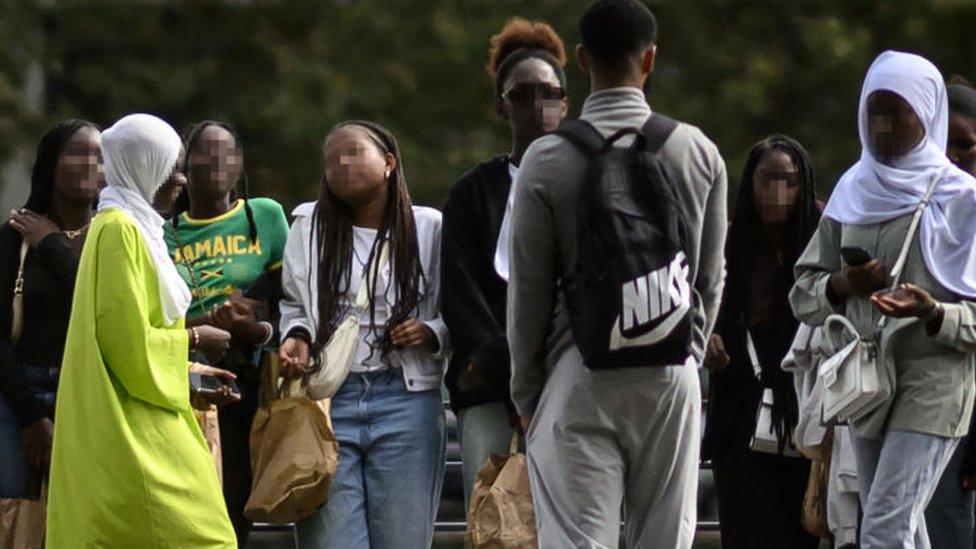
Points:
[(543, 242)]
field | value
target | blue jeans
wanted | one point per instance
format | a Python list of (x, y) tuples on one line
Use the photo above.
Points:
[(14, 473), (898, 475), (16, 478), (484, 430), (391, 466)]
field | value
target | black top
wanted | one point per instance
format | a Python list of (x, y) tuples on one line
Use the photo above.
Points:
[(472, 293), (734, 391), (49, 279)]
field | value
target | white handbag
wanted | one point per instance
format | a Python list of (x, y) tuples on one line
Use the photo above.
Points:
[(335, 358), (855, 381), (764, 438), (852, 379)]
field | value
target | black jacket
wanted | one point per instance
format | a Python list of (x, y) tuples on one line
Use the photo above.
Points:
[(472, 294), (49, 279)]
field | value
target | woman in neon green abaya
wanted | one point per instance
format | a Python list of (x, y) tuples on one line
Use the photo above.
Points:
[(130, 467)]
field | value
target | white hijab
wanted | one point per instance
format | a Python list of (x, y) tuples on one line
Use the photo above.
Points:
[(873, 192), (140, 152)]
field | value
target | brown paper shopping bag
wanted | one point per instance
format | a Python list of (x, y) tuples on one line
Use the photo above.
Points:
[(814, 518), (210, 425), (22, 522), (501, 514), (294, 455)]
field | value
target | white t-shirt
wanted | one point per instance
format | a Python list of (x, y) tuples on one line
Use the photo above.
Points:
[(362, 243), (505, 233)]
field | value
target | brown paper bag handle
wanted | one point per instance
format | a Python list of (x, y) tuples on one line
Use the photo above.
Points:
[(290, 387), (513, 445)]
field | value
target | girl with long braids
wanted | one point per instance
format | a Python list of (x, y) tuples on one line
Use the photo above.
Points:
[(387, 415), (760, 495), (39, 251), (222, 245)]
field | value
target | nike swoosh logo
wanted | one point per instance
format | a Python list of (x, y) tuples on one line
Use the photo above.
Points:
[(619, 341)]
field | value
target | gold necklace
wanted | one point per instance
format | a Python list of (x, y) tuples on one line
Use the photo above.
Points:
[(77, 232)]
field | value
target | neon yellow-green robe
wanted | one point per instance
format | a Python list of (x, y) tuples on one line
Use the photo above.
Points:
[(130, 467)]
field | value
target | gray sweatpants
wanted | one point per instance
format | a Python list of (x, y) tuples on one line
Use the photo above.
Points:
[(898, 475), (606, 444)]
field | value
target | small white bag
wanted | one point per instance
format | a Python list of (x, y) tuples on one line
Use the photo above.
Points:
[(764, 438), (335, 358), (855, 382)]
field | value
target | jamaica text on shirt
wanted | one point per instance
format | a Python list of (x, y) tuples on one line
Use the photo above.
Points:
[(217, 246)]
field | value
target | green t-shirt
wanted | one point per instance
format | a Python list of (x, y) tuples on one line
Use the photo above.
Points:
[(221, 253)]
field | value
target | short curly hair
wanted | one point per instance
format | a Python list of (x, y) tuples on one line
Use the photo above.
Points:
[(519, 33)]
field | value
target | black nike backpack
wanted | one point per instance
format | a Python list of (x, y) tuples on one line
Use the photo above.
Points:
[(629, 296)]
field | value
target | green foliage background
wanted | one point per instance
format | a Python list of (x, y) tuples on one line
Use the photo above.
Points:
[(284, 72)]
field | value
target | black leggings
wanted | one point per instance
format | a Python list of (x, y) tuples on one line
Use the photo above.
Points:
[(760, 498)]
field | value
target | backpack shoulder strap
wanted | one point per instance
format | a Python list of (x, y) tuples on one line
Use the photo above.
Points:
[(582, 134), (657, 130)]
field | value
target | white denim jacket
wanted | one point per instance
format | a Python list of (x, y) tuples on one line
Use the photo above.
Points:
[(422, 370)]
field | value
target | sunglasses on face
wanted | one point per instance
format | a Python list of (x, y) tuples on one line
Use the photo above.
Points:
[(523, 94), (790, 179)]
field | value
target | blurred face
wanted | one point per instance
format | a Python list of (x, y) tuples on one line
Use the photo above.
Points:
[(533, 100), (170, 190), (893, 127), (962, 142), (356, 170), (775, 187), (78, 175), (215, 163)]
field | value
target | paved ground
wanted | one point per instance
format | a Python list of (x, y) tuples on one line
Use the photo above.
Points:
[(705, 540)]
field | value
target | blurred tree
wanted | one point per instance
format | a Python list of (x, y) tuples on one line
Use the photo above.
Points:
[(283, 72)]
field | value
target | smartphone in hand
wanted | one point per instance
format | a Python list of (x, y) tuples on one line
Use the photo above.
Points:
[(208, 384), (854, 256)]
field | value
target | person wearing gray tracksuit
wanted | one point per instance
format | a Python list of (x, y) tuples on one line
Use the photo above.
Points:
[(602, 444)]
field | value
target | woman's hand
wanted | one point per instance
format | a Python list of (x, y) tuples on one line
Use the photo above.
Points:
[(294, 353), (413, 333), (236, 315), (212, 342), (716, 358), (861, 281), (906, 301), (969, 481), (36, 443), (223, 395), (34, 228)]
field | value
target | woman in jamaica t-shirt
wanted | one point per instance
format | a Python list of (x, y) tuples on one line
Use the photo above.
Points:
[(226, 249)]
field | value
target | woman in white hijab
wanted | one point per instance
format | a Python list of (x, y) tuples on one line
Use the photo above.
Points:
[(130, 467), (929, 341)]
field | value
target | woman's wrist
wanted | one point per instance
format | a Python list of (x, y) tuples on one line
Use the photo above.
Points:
[(194, 337), (930, 312), (838, 288), (932, 318), (268, 333), (300, 333)]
